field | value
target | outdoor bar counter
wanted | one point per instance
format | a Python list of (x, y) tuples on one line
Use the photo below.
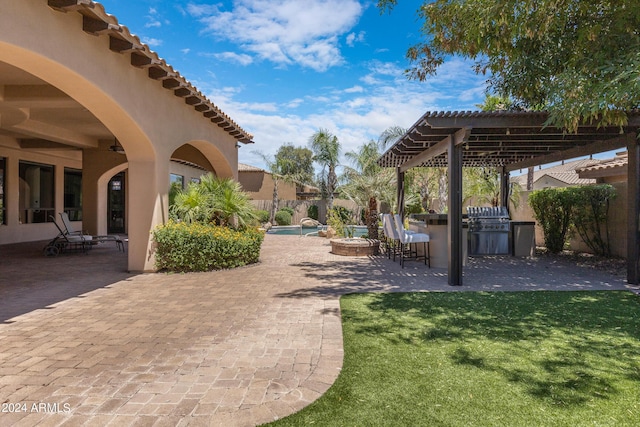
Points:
[(435, 225), (521, 237)]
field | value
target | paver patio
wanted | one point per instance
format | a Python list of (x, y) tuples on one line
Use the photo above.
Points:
[(99, 346)]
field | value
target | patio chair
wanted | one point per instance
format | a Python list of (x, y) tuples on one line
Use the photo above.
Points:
[(94, 239), (64, 241), (406, 239)]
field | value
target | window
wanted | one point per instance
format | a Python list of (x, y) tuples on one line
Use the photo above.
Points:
[(3, 215), (73, 194), (177, 181), (37, 195)]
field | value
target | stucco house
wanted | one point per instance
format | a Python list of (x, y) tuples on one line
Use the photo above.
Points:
[(562, 175), (95, 124), (607, 171), (258, 183)]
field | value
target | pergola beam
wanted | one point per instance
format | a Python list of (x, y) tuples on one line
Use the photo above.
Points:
[(585, 150), (441, 147)]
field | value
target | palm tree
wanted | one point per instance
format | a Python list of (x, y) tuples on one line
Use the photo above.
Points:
[(190, 205), (278, 168), (483, 183), (227, 201), (367, 182), (389, 136), (219, 200), (326, 150)]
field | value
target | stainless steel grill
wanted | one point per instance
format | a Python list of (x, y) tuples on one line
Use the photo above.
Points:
[(489, 230)]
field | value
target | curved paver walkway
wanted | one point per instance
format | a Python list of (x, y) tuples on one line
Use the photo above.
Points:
[(90, 344)]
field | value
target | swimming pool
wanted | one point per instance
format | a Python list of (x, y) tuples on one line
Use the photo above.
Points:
[(296, 230)]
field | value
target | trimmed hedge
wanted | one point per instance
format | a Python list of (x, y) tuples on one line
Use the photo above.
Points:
[(283, 218), (182, 247)]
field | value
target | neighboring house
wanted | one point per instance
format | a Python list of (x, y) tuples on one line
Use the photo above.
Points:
[(562, 175), (96, 124), (607, 171), (259, 184)]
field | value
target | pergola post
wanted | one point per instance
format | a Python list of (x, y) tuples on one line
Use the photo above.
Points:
[(504, 187), (633, 211), (454, 222), (400, 192)]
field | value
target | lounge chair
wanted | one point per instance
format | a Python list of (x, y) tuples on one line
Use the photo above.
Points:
[(64, 241), (94, 239)]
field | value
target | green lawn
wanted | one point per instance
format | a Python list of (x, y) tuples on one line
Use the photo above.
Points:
[(485, 359)]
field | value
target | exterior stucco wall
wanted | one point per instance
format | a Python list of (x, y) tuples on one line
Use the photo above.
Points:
[(15, 230), (259, 186)]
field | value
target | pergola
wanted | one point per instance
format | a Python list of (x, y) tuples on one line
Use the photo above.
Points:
[(509, 141)]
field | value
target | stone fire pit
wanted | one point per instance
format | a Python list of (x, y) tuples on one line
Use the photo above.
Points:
[(355, 247)]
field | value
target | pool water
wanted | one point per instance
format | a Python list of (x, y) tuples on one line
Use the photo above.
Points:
[(294, 230)]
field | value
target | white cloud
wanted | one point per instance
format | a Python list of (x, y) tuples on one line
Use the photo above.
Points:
[(352, 38), (242, 59), (354, 89), (153, 19), (294, 103), (151, 41), (354, 116), (284, 31), (185, 50)]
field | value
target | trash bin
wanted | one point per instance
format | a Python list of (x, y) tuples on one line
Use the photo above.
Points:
[(523, 238)]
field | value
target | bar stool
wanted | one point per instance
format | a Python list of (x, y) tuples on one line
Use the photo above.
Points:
[(407, 238)]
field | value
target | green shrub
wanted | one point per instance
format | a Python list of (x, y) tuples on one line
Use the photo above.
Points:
[(183, 247), (283, 218), (291, 211), (413, 208), (591, 216), (552, 207), (263, 216), (312, 212)]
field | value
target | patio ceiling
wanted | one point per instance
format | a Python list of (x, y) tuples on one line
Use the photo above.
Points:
[(512, 140)]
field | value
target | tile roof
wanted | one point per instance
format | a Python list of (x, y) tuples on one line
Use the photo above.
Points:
[(96, 21), (565, 172), (620, 161), (248, 168)]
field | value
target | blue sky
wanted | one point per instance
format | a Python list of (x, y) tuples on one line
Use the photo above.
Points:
[(282, 69)]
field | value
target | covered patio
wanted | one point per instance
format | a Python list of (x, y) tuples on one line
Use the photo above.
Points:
[(509, 141), (96, 124)]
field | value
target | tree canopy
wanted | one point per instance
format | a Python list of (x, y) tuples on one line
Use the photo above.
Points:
[(578, 59), (296, 162)]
